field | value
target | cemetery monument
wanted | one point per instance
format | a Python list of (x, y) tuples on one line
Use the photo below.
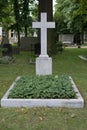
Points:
[(43, 62)]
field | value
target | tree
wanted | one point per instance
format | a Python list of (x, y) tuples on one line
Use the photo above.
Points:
[(17, 18), (75, 14), (6, 15), (17, 15), (79, 17), (23, 15), (3, 5), (26, 14), (61, 15)]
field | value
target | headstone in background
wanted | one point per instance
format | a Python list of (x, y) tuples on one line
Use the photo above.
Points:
[(66, 38), (6, 49), (27, 42)]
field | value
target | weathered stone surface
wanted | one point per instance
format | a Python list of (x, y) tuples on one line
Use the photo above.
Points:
[(43, 66), (26, 43)]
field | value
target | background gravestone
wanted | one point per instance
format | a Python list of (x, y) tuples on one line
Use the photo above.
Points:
[(66, 38), (6, 47), (31, 44)]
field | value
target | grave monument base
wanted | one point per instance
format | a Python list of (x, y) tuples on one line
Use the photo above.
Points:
[(43, 66)]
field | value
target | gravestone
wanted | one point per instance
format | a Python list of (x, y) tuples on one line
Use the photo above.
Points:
[(27, 42), (43, 62), (6, 47), (66, 38)]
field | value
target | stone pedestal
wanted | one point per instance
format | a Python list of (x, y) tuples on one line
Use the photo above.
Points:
[(43, 66)]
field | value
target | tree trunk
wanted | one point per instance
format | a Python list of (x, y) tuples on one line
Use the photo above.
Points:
[(82, 37), (25, 31), (18, 32), (46, 6), (17, 18)]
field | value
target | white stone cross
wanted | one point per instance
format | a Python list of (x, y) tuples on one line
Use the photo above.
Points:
[(43, 25)]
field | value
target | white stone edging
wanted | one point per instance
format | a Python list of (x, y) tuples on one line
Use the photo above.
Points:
[(68, 103), (82, 57)]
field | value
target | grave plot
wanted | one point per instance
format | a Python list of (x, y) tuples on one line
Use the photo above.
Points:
[(76, 102)]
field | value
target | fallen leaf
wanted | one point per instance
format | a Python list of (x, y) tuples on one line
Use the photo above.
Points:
[(40, 118)]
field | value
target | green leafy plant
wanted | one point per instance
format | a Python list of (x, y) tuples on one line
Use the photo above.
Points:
[(4, 49), (43, 87), (59, 46), (14, 45)]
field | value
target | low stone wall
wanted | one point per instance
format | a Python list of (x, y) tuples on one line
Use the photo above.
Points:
[(28, 42), (66, 38)]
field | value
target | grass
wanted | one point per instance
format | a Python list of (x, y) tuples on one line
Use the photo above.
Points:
[(85, 44), (45, 118)]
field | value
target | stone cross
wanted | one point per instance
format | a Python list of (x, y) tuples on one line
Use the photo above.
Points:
[(43, 25)]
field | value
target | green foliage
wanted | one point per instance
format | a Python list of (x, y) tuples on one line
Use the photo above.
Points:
[(6, 14), (61, 16), (43, 87), (71, 15), (17, 15), (3, 49), (23, 14), (59, 46)]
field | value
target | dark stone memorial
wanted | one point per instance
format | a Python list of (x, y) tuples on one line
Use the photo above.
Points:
[(6, 49)]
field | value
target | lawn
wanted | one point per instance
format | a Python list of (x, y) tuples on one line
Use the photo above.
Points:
[(45, 118)]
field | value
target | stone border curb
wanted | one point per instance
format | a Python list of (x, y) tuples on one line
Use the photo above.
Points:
[(68, 103), (82, 57)]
